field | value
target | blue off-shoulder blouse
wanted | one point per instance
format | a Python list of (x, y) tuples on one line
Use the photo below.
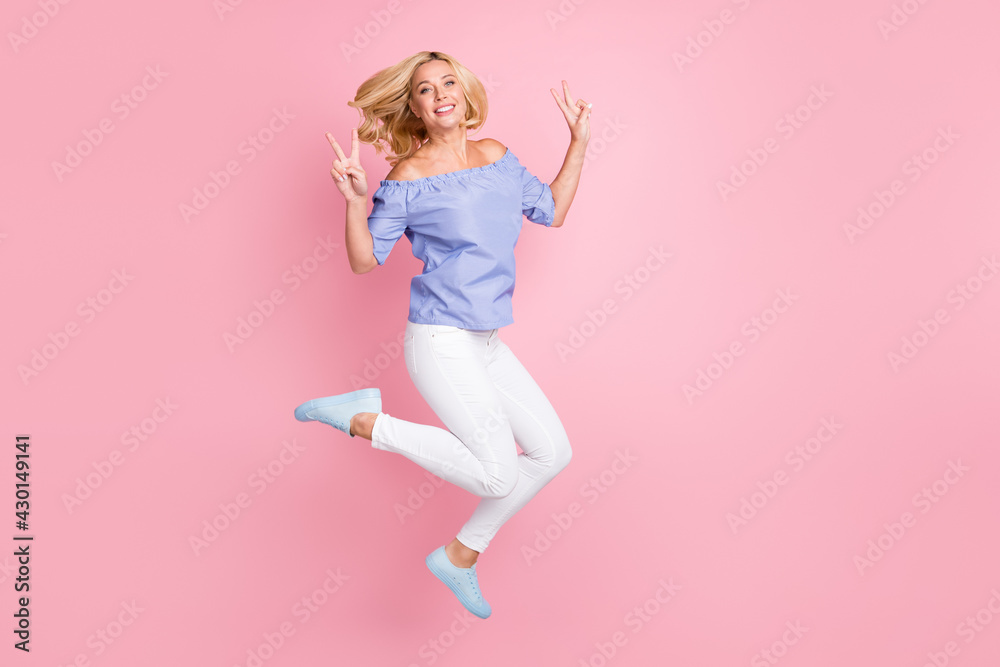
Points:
[(463, 225)]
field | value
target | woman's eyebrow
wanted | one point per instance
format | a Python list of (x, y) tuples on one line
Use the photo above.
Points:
[(442, 76)]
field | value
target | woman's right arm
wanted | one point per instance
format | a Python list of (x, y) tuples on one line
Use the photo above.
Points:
[(357, 238), (351, 181)]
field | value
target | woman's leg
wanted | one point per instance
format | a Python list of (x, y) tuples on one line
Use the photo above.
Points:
[(448, 365), (539, 432), (461, 373)]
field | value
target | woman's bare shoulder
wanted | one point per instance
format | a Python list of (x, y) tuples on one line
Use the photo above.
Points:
[(414, 167), (404, 170), (491, 148)]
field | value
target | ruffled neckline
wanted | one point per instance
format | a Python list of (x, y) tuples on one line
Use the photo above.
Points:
[(453, 175)]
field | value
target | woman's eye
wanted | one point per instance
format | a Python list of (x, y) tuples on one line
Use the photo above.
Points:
[(447, 83)]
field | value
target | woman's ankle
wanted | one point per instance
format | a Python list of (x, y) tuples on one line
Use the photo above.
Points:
[(362, 424), (461, 555)]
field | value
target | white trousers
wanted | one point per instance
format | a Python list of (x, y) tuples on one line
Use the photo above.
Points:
[(488, 402)]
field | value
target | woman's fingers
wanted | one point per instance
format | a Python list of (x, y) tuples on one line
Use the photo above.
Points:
[(575, 111), (571, 108), (336, 147), (341, 172), (558, 101), (583, 123), (569, 98), (569, 115), (348, 172)]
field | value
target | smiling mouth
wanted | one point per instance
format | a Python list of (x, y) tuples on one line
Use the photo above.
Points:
[(445, 110)]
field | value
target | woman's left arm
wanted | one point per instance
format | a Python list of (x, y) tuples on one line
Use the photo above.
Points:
[(577, 113)]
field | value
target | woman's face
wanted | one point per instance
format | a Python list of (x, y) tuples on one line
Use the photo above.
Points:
[(435, 87)]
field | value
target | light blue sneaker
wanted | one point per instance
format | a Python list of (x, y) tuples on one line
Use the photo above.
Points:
[(462, 581), (338, 410)]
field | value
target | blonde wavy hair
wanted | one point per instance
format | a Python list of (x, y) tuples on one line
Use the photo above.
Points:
[(383, 103)]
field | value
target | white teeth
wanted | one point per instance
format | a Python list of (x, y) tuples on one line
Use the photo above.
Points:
[(447, 108)]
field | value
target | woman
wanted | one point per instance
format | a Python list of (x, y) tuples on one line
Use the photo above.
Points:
[(460, 203)]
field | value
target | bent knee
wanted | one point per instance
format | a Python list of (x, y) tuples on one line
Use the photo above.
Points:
[(501, 487), (563, 455), (557, 457)]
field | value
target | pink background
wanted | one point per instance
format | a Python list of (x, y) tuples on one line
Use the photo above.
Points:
[(785, 579)]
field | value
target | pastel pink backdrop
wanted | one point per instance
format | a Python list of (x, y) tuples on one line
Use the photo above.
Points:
[(647, 561)]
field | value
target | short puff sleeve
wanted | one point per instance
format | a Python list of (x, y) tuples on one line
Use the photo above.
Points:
[(536, 199), (387, 221)]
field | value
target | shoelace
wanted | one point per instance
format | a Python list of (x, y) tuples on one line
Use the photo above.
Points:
[(332, 422), (474, 583)]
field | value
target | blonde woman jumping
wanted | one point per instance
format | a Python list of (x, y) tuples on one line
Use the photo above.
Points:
[(460, 202)]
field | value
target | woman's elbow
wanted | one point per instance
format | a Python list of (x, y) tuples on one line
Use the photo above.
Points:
[(364, 267)]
